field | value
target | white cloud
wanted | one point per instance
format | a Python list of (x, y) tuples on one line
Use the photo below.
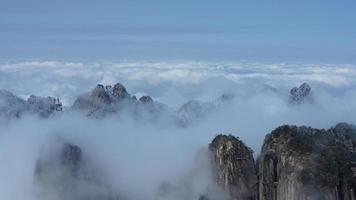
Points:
[(136, 155), (67, 79)]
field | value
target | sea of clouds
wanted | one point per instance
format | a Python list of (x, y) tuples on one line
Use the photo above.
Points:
[(138, 157), (170, 82)]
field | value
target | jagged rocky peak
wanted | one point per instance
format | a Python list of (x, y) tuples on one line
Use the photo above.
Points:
[(234, 167), (108, 94), (107, 100), (101, 94), (146, 99), (119, 91), (103, 100), (13, 106), (306, 163), (299, 94), (44, 106)]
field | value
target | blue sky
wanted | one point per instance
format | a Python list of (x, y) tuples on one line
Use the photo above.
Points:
[(303, 30)]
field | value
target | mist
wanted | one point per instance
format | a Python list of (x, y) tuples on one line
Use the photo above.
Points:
[(138, 158)]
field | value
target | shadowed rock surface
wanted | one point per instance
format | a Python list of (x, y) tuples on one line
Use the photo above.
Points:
[(305, 163), (61, 173), (146, 99), (235, 168), (300, 94)]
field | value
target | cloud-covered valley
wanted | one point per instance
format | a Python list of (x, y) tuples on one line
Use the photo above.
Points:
[(140, 159)]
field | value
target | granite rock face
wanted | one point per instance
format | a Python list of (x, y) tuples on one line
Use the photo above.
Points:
[(305, 163), (300, 94), (295, 163), (234, 166)]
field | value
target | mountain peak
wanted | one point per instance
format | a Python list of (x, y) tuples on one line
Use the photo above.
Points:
[(299, 94), (119, 91), (146, 99), (235, 167)]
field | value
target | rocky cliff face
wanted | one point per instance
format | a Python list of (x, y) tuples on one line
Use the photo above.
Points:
[(296, 163), (234, 166), (306, 163)]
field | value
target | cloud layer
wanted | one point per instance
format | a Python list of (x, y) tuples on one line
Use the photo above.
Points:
[(138, 157), (179, 80)]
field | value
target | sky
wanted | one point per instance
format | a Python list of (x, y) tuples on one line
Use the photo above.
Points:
[(318, 31)]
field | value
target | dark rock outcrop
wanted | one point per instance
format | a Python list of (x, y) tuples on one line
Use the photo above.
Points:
[(71, 156), (300, 94), (67, 158), (102, 94), (58, 163), (306, 163), (104, 100), (146, 99), (108, 100), (119, 91), (61, 173), (234, 166)]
